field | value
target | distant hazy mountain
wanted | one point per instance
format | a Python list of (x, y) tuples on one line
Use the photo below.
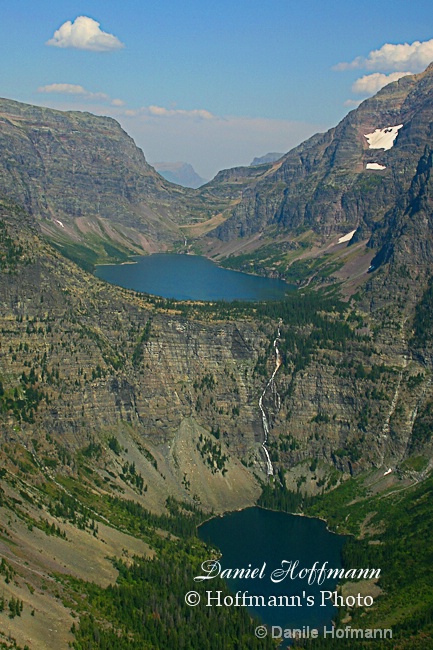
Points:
[(267, 158), (181, 173)]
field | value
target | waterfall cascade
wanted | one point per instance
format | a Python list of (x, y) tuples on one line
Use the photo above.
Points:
[(265, 421)]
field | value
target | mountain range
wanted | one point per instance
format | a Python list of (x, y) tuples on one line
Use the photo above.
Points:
[(181, 173), (111, 398)]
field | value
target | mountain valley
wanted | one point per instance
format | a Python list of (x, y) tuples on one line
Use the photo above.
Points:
[(127, 419)]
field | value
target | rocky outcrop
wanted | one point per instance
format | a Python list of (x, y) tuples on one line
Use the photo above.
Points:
[(270, 157)]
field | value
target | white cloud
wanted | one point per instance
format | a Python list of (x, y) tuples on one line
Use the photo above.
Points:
[(66, 89), (371, 83), (75, 89), (403, 56), (160, 111), (352, 103), (84, 34), (170, 112)]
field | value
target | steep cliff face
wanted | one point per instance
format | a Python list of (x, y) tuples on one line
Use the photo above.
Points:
[(404, 237), (348, 177), (83, 362), (86, 181)]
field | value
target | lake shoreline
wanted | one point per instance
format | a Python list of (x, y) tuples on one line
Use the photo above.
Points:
[(286, 547), (186, 277), (294, 514)]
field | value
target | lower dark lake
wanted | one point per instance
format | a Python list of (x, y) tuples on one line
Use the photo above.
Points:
[(190, 277), (254, 537)]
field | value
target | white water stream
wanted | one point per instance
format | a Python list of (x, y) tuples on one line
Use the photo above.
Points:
[(265, 421)]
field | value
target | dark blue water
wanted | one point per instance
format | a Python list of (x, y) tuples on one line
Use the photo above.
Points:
[(256, 536), (190, 277)]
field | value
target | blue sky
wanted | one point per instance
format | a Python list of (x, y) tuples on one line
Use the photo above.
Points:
[(213, 84)]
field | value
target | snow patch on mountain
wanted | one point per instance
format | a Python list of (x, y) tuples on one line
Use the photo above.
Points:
[(347, 237), (375, 166), (383, 138)]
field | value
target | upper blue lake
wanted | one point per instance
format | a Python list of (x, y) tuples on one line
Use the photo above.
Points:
[(190, 277), (255, 536)]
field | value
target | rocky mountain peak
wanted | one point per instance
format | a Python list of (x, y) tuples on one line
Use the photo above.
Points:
[(346, 178)]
